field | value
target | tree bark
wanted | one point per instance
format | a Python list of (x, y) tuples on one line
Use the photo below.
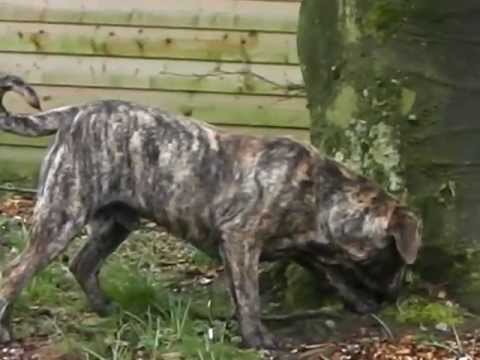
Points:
[(394, 92)]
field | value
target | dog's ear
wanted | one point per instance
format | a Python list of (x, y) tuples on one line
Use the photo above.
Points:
[(406, 229)]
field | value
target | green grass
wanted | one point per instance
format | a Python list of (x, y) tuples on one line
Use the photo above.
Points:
[(417, 310), (13, 234), (154, 321)]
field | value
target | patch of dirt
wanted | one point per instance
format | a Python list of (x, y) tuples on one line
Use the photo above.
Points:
[(352, 337), (406, 348), (33, 349), (17, 207)]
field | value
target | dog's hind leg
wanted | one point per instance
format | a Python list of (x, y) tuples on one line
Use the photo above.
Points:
[(105, 237), (56, 221)]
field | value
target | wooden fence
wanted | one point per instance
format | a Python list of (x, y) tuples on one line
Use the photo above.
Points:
[(230, 62)]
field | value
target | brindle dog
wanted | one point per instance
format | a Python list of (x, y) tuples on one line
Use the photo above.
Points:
[(244, 197)]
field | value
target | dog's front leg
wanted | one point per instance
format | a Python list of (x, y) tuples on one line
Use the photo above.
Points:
[(355, 299), (241, 256)]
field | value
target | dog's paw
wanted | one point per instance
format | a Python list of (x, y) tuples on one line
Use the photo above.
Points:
[(262, 339), (5, 335), (106, 309)]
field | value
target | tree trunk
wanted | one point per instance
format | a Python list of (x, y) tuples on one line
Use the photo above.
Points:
[(394, 92)]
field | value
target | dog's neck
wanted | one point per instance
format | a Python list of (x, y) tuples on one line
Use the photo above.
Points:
[(330, 179)]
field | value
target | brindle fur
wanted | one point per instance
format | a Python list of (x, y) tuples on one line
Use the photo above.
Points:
[(244, 197)]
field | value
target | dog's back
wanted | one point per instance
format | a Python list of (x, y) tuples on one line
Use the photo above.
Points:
[(186, 175)]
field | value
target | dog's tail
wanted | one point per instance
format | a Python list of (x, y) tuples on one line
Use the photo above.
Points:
[(41, 124), (16, 84)]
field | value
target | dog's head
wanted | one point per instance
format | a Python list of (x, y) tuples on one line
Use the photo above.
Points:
[(373, 235)]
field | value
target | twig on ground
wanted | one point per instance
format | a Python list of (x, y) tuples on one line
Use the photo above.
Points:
[(276, 317), (445, 347), (308, 314), (314, 350)]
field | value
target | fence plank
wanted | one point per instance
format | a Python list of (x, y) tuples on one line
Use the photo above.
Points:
[(213, 14), (149, 43), (155, 74), (243, 110)]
